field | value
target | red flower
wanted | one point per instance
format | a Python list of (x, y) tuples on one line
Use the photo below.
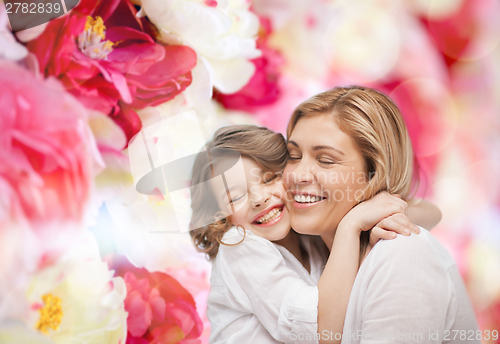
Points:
[(160, 309), (108, 59), (460, 34), (262, 89)]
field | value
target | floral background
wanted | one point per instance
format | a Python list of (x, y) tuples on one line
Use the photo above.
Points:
[(83, 255)]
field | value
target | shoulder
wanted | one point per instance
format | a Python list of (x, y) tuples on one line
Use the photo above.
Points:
[(415, 244), (417, 250), (407, 266)]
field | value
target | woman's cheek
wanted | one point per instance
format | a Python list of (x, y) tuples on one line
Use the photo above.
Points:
[(280, 190), (287, 178)]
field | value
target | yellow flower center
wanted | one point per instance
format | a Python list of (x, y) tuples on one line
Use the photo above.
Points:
[(50, 314), (96, 26), (92, 40)]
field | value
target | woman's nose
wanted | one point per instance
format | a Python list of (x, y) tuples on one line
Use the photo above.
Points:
[(303, 173)]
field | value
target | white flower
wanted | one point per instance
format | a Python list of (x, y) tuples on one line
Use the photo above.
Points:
[(9, 48), (224, 35), (17, 332), (75, 299)]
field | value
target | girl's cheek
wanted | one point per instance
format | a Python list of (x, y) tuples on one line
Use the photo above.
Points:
[(279, 189)]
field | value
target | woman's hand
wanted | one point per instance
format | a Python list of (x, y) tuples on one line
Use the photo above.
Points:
[(384, 213)]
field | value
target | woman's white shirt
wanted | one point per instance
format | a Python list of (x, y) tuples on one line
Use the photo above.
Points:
[(409, 290), (260, 293)]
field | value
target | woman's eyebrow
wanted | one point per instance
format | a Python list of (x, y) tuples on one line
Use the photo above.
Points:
[(320, 147)]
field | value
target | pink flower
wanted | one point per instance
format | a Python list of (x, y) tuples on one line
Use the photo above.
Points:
[(196, 280), (45, 149), (108, 59), (263, 88), (160, 309), (456, 34)]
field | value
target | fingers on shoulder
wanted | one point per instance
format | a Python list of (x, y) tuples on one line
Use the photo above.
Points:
[(394, 202)]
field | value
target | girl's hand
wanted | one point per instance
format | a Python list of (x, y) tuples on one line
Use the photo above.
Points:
[(376, 212), (390, 226)]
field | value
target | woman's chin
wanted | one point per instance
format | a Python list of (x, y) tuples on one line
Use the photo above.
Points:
[(305, 227)]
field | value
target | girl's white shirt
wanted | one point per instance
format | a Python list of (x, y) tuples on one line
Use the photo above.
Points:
[(260, 293)]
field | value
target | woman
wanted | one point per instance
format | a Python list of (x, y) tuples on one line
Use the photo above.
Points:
[(345, 145)]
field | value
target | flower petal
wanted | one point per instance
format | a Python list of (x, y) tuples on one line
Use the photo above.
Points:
[(140, 314), (224, 72)]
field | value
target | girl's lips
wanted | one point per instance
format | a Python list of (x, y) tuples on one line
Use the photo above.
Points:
[(273, 221), (266, 211)]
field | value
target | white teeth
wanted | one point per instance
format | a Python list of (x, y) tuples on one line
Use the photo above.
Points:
[(269, 216), (308, 199)]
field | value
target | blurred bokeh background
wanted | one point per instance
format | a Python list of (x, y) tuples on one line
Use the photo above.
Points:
[(76, 90)]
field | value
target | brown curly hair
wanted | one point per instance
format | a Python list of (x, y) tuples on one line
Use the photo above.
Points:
[(265, 147)]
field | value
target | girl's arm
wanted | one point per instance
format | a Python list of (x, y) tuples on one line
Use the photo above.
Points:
[(340, 271), (424, 213)]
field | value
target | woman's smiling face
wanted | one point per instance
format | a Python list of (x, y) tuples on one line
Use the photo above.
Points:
[(325, 175)]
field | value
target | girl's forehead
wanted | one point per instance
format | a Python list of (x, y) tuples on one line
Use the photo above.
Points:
[(254, 172), (239, 175)]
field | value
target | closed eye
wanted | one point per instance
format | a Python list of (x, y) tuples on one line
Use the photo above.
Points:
[(236, 199), (327, 162), (270, 179), (326, 159)]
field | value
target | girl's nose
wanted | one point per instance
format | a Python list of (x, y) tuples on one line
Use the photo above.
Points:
[(259, 196)]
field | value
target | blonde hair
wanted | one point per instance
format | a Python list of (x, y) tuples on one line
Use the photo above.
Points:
[(265, 147), (377, 127)]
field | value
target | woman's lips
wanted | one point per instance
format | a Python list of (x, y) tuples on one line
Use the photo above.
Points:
[(270, 216), (306, 200)]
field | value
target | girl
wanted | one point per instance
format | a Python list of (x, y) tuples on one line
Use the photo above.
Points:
[(264, 276)]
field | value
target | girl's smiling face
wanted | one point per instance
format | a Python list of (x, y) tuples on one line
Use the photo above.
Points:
[(258, 202)]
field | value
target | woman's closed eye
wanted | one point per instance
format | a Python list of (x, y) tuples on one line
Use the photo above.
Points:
[(326, 160)]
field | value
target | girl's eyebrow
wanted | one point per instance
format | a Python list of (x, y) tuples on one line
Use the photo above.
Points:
[(318, 147)]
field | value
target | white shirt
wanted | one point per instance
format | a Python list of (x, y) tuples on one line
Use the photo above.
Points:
[(260, 293), (409, 290)]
